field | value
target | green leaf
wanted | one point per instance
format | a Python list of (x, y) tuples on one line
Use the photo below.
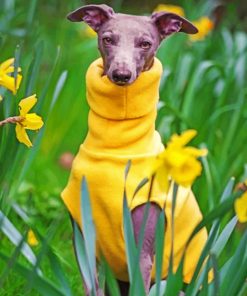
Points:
[(15, 237), (59, 273), (34, 68), (224, 237), (193, 287), (139, 186), (175, 281), (218, 212), (59, 86), (159, 251), (228, 190), (130, 245), (10, 263), (42, 285), (174, 198), (153, 290), (209, 178), (216, 280), (88, 231), (81, 257), (17, 62), (111, 282), (203, 67), (237, 267), (47, 84), (137, 286)]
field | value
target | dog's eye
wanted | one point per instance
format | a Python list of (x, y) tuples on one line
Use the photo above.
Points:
[(107, 40), (145, 44)]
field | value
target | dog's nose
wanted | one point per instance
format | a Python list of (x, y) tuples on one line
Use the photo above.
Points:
[(121, 76)]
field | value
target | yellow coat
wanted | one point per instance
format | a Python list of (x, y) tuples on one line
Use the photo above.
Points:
[(122, 127)]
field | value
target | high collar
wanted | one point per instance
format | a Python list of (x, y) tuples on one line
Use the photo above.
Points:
[(114, 102)]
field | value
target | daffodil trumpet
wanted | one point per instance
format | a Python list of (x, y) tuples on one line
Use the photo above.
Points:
[(178, 162)]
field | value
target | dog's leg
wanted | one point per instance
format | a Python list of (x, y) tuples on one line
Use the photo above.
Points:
[(147, 251)]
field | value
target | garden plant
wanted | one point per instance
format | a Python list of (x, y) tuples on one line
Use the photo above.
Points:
[(43, 120)]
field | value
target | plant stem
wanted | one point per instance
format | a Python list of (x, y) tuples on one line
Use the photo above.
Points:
[(13, 119)]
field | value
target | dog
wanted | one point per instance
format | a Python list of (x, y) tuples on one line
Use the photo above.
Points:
[(122, 92)]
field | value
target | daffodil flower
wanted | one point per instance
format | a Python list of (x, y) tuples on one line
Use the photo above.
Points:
[(170, 8), (178, 162), (30, 121), (240, 206), (31, 238), (7, 81), (204, 25)]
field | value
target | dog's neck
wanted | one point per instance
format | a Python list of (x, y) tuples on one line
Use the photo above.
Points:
[(122, 118)]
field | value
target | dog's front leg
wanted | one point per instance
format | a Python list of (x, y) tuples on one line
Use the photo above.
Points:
[(147, 251)]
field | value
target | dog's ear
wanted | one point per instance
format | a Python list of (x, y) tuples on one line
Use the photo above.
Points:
[(93, 15), (168, 23)]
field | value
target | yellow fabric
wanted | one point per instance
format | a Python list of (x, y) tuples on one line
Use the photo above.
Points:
[(121, 127)]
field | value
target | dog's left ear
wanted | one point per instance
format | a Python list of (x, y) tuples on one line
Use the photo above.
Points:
[(168, 23), (94, 15)]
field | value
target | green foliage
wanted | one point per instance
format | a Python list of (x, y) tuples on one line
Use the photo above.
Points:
[(203, 87)]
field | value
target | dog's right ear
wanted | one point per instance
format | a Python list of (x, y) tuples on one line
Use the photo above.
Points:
[(94, 15)]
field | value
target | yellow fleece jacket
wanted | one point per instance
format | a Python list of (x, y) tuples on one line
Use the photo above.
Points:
[(122, 128)]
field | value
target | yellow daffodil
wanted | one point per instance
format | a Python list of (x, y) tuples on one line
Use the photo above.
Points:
[(29, 121), (170, 8), (7, 81), (178, 162), (240, 206), (204, 26), (1, 98), (31, 238)]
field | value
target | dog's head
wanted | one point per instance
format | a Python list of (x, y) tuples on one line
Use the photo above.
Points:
[(129, 43)]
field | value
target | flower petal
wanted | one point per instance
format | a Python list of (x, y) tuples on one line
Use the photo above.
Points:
[(31, 238), (32, 121), (5, 65), (186, 174), (240, 206), (176, 158), (162, 178), (204, 26), (26, 104), (192, 151), (183, 139), (11, 69), (22, 136), (10, 83)]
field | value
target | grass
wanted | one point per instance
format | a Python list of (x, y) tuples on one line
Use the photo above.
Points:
[(203, 88)]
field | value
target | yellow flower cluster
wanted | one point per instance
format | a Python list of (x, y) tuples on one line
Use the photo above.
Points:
[(171, 8), (204, 24), (24, 121), (240, 206), (178, 162)]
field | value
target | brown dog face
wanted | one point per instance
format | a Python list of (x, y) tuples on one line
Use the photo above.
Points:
[(129, 43)]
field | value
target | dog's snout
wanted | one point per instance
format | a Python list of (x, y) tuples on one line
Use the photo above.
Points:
[(121, 76)]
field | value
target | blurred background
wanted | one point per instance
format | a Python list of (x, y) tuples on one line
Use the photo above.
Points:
[(203, 87)]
